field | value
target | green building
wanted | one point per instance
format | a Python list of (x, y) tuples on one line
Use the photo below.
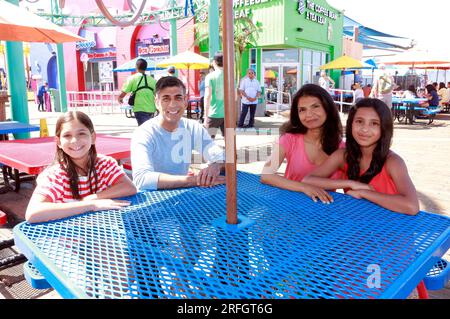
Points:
[(295, 39)]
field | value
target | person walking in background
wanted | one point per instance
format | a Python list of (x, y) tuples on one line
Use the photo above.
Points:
[(171, 71), (142, 87), (41, 93), (383, 87), (214, 108), (250, 91), (443, 94), (325, 81), (2, 79), (359, 93), (367, 89), (201, 88)]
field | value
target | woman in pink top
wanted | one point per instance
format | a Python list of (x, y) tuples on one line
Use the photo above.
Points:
[(372, 171), (313, 132)]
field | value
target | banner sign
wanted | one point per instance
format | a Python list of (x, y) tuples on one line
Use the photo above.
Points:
[(153, 47)]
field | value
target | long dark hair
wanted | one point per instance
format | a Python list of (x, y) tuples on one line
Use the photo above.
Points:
[(66, 162), (331, 129), (430, 88), (353, 151)]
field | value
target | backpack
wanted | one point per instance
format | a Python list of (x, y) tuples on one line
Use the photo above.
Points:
[(133, 94)]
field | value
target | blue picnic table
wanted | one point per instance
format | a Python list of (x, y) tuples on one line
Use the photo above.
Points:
[(175, 244), (14, 127), (406, 108)]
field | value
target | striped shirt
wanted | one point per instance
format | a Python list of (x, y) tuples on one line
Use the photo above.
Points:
[(54, 183)]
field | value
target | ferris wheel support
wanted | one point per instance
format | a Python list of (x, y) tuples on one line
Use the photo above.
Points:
[(117, 22)]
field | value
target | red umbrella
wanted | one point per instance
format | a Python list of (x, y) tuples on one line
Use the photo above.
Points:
[(17, 24)]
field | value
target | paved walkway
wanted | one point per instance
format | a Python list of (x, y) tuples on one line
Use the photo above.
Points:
[(425, 149)]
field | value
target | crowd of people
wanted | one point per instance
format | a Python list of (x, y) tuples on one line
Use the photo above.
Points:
[(384, 88)]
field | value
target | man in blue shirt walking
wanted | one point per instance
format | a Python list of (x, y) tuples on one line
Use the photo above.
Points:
[(40, 95)]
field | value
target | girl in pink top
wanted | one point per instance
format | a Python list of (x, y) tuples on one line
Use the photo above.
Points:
[(79, 181), (313, 132), (372, 171)]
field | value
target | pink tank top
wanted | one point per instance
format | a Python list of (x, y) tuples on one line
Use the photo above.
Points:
[(382, 182), (298, 163)]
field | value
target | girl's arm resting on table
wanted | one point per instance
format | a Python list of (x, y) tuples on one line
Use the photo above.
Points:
[(406, 201), (40, 209), (123, 187), (269, 176), (320, 177)]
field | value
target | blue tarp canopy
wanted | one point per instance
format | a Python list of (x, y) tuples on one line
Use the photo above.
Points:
[(131, 65), (369, 37), (372, 63), (372, 42), (350, 23)]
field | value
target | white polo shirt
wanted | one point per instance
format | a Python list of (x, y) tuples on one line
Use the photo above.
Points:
[(251, 89)]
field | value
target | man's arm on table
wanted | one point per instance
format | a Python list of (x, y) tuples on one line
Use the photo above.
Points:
[(144, 174), (215, 155)]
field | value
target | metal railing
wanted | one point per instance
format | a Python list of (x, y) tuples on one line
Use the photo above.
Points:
[(340, 95), (94, 102), (273, 97)]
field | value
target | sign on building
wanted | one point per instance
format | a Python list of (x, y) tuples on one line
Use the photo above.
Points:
[(105, 72)]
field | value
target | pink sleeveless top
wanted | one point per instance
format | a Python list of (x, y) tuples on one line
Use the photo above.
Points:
[(298, 163), (382, 182)]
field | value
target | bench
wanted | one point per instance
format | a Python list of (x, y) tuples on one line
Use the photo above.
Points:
[(34, 277), (428, 113), (438, 276)]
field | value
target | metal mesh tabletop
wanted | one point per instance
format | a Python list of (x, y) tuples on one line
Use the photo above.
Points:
[(170, 244)]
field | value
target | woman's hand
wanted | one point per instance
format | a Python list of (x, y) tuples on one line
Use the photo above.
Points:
[(355, 194), (106, 204), (317, 193), (354, 185)]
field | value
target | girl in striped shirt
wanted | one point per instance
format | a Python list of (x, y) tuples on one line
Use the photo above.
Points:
[(79, 180)]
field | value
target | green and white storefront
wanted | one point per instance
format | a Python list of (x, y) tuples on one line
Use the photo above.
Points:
[(297, 37)]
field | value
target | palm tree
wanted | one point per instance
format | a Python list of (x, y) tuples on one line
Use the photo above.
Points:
[(246, 34)]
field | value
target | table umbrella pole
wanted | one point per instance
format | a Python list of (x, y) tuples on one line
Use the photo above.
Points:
[(230, 110)]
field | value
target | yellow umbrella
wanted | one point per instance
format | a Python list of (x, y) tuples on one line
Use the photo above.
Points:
[(17, 24), (345, 62), (186, 60)]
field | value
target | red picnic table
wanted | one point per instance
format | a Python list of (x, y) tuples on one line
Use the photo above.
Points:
[(31, 156)]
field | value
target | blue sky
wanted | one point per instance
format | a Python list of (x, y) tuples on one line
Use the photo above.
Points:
[(417, 19)]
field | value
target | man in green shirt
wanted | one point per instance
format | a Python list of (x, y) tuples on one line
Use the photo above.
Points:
[(143, 88), (214, 109)]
